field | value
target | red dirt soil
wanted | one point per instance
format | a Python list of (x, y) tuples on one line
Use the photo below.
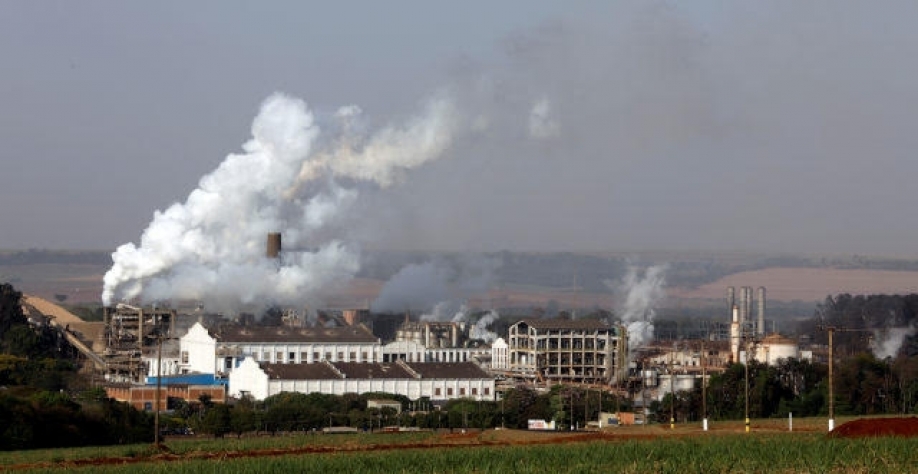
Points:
[(901, 427)]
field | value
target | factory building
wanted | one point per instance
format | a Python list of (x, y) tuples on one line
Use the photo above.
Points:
[(203, 351), (567, 351), (438, 381)]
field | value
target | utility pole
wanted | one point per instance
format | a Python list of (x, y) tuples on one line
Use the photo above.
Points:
[(832, 330), (672, 391), (746, 368), (704, 390), (159, 383)]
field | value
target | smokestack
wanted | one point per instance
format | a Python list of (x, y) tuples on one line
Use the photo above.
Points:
[(735, 335), (274, 245), (731, 298), (760, 328), (746, 309)]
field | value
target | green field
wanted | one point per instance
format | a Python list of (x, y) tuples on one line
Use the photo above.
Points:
[(629, 449)]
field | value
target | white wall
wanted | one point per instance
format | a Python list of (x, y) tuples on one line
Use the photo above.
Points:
[(201, 349), (248, 378)]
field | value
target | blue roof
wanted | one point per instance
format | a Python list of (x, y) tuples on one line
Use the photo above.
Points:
[(188, 379)]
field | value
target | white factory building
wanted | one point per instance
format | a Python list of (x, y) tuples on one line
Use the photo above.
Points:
[(437, 381), (201, 351)]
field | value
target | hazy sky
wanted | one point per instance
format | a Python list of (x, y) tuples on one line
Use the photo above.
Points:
[(761, 126)]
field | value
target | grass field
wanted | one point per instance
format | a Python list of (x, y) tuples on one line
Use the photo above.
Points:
[(687, 449)]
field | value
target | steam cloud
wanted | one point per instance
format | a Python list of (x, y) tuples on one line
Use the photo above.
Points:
[(887, 342), (439, 288), (293, 177), (642, 291), (480, 329)]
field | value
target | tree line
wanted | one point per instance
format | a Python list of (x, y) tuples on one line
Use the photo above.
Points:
[(44, 401)]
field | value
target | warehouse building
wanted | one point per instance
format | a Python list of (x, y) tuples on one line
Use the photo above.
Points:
[(437, 381)]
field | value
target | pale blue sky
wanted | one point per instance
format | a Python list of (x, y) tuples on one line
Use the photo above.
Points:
[(761, 126)]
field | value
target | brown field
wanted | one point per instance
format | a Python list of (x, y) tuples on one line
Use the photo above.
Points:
[(807, 284), (83, 284)]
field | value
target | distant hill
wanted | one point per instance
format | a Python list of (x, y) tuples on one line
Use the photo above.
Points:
[(536, 278)]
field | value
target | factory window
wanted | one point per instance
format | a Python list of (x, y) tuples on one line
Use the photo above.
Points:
[(487, 390), (291, 357), (462, 392), (363, 356), (280, 356), (184, 357), (437, 392), (353, 357), (328, 356), (449, 392), (340, 357), (266, 357), (228, 363), (474, 391), (315, 356), (304, 356)]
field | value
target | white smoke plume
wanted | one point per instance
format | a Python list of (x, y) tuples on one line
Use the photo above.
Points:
[(641, 292), (439, 288), (480, 329), (887, 342), (416, 287), (293, 177)]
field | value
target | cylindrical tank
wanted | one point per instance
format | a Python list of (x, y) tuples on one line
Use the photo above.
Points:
[(274, 245), (760, 326)]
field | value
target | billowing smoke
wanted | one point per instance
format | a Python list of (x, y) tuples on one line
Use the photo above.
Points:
[(293, 177), (641, 292), (480, 329), (887, 342), (416, 287), (439, 288)]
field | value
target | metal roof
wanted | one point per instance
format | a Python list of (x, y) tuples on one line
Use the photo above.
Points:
[(256, 334)]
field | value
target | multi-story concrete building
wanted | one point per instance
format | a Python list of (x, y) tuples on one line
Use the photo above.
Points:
[(577, 351)]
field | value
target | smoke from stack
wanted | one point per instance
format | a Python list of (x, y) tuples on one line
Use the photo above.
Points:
[(887, 342), (294, 177), (642, 291), (436, 288)]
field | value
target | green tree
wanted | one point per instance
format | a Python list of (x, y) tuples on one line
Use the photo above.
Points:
[(244, 417), (217, 421), (10, 313)]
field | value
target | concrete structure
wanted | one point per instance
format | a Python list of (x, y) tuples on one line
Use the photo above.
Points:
[(432, 334), (578, 351), (500, 355), (438, 381)]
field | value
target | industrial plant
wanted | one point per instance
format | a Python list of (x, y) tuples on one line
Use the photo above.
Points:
[(189, 352)]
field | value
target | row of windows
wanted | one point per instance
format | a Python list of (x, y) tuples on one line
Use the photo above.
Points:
[(317, 356), (438, 392)]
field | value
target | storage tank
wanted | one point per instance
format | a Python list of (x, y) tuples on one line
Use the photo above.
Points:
[(776, 347)]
